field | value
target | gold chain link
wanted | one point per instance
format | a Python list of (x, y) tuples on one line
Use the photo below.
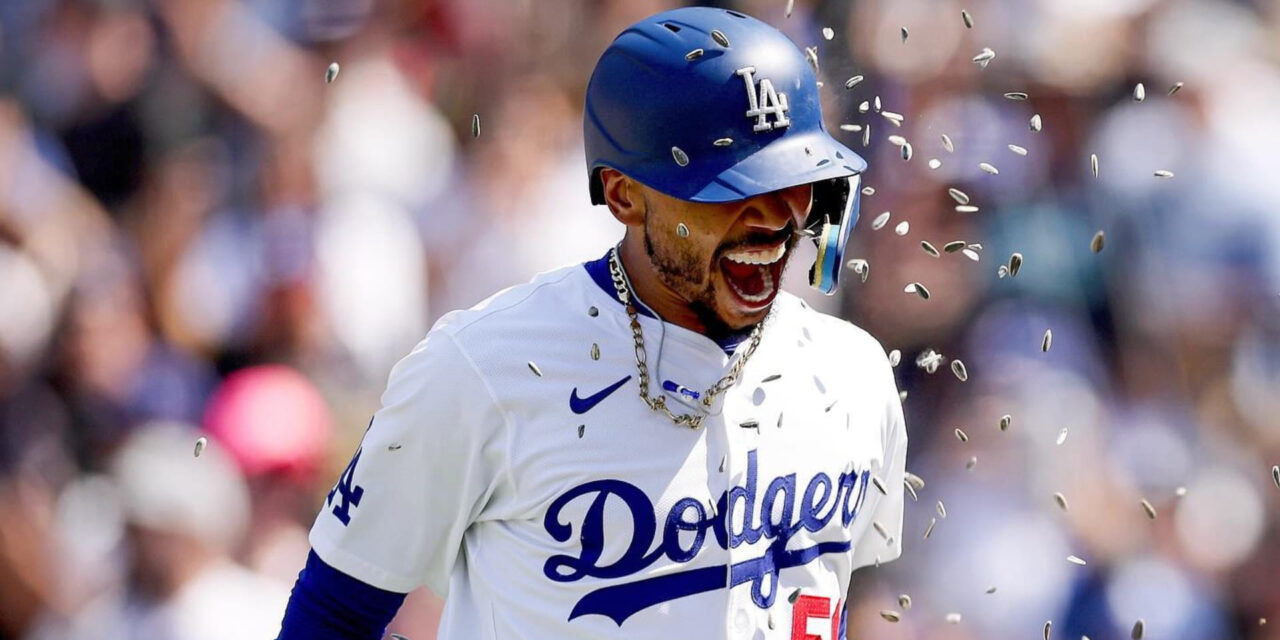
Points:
[(642, 358)]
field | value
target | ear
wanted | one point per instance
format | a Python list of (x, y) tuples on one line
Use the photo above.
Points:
[(623, 196)]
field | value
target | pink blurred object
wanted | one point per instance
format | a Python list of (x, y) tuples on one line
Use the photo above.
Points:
[(270, 418)]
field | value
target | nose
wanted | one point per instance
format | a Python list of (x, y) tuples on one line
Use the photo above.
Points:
[(772, 211)]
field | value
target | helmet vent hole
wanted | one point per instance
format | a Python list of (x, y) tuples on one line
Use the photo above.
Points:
[(735, 14), (673, 28)]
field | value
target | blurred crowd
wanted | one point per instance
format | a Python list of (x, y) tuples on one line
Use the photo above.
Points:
[(199, 237)]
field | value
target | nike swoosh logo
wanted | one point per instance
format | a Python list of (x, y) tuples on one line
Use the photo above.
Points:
[(583, 405)]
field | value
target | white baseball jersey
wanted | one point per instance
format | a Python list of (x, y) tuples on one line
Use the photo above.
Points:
[(556, 505)]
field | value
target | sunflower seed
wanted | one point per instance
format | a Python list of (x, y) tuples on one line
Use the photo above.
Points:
[(1015, 263), (1062, 436), (811, 54), (864, 106), (1048, 627), (1047, 341), (953, 246), (946, 144), (1018, 150), (331, 73), (988, 168), (750, 424), (1093, 163), (396, 636), (682, 230), (934, 163), (897, 140), (720, 38), (1182, 491), (973, 462), (771, 613), (1175, 87), (394, 446), (968, 20), (891, 616), (722, 463), (902, 228), (771, 377), (984, 57), (959, 196), (694, 55), (929, 249), (791, 5), (595, 351), (1275, 475), (582, 429), (880, 221), (200, 443), (928, 530), (906, 151), (1147, 507), (534, 368), (904, 601), (1002, 271), (828, 33), (918, 289), (794, 594), (1035, 123), (1006, 421), (723, 142), (1099, 239), (875, 524), (904, 34), (1164, 174), (828, 409), (475, 125), (592, 311), (966, 208), (779, 425), (941, 509), (1139, 93), (911, 490), (960, 434), (914, 480), (875, 480), (1016, 95), (868, 191), (895, 357), (851, 82), (680, 156), (953, 618), (976, 246), (1061, 500), (1139, 626)]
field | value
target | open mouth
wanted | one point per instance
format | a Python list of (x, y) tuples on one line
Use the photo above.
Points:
[(754, 274)]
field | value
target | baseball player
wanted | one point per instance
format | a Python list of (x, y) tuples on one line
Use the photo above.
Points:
[(658, 443)]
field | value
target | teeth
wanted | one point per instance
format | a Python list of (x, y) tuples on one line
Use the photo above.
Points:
[(767, 256)]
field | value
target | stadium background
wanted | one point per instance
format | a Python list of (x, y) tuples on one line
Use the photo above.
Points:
[(198, 236)]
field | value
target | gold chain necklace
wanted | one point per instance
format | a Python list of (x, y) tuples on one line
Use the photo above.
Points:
[(660, 403)]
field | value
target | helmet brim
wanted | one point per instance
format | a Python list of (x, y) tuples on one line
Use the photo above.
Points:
[(783, 163)]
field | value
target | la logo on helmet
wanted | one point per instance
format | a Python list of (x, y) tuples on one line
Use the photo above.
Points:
[(767, 102)]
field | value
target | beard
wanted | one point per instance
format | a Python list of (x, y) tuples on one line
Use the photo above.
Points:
[(686, 271)]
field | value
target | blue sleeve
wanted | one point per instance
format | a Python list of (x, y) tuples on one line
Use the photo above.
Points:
[(328, 604)]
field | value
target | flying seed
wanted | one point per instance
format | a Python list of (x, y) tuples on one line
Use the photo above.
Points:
[(1147, 507), (911, 490), (876, 103), (904, 601), (1139, 93), (828, 33), (791, 5), (1175, 87), (1275, 475), (991, 590), (953, 618), (891, 616), (682, 230), (1022, 151), (904, 34), (694, 55), (953, 246), (895, 118), (595, 351), (723, 142), (959, 196), (960, 434), (1138, 626), (902, 228), (1164, 174), (719, 37), (475, 125), (929, 248), (771, 613), (1048, 627), (1099, 239), (973, 462), (1035, 123), (592, 311), (875, 480), (897, 140), (582, 428), (976, 246), (394, 446), (750, 424), (1016, 95), (534, 368), (913, 479), (811, 54), (200, 443), (868, 191), (957, 367), (928, 530), (880, 221), (1047, 341), (722, 464), (852, 82), (989, 168), (866, 135), (941, 509), (966, 208), (794, 594), (396, 636), (934, 163), (779, 425), (852, 128), (906, 151), (864, 106), (331, 73), (1093, 163), (1015, 263), (1182, 491), (968, 20), (1061, 500), (833, 403), (946, 144), (895, 357), (680, 156), (918, 289), (875, 524), (984, 57), (771, 377), (1006, 421), (1002, 271)]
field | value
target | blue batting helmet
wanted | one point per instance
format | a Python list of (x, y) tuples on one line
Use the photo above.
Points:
[(711, 105)]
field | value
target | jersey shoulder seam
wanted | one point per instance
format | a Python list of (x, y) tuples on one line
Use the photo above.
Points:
[(492, 311)]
